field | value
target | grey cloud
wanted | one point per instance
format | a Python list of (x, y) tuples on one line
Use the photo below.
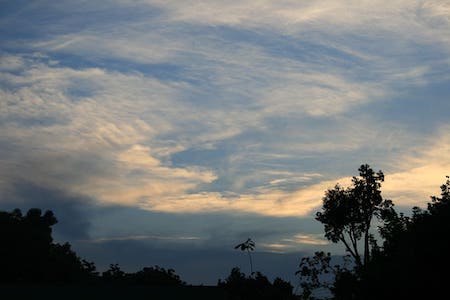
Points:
[(213, 231), (212, 226)]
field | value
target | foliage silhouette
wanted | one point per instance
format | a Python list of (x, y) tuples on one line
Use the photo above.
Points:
[(257, 287), (148, 276), (114, 274), (347, 213), (313, 269), (248, 246), (310, 271), (28, 254), (156, 276), (413, 263)]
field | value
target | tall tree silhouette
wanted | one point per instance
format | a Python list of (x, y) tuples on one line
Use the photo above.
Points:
[(347, 213), (248, 246)]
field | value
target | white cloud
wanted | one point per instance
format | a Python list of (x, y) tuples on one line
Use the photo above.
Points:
[(120, 122), (59, 118), (137, 46), (269, 202), (11, 63), (317, 94), (318, 87), (419, 17), (114, 126), (421, 172)]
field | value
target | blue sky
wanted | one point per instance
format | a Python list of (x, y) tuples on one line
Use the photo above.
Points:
[(187, 126)]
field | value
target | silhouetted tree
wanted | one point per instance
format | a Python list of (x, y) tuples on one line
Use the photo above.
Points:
[(248, 246), (28, 254), (155, 276), (113, 274), (283, 289), (347, 213), (318, 274)]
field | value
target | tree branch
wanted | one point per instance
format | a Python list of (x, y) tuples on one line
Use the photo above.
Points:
[(353, 254)]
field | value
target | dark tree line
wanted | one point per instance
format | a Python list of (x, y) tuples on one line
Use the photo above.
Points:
[(28, 255), (255, 287)]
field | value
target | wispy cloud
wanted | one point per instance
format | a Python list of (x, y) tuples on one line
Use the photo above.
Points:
[(123, 131), (422, 171), (296, 242), (140, 238), (200, 107), (269, 202)]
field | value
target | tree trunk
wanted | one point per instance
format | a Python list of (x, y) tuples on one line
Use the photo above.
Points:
[(251, 263), (354, 254), (366, 247)]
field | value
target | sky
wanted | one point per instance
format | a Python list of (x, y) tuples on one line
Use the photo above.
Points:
[(166, 132)]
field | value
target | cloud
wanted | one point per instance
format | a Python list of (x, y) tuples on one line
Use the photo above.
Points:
[(141, 237), (421, 172), (400, 17), (94, 143), (235, 108), (113, 143), (216, 230), (296, 242), (11, 63), (140, 178), (309, 239), (275, 203), (127, 161)]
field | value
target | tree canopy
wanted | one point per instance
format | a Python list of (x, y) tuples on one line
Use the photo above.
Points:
[(347, 214), (28, 253)]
